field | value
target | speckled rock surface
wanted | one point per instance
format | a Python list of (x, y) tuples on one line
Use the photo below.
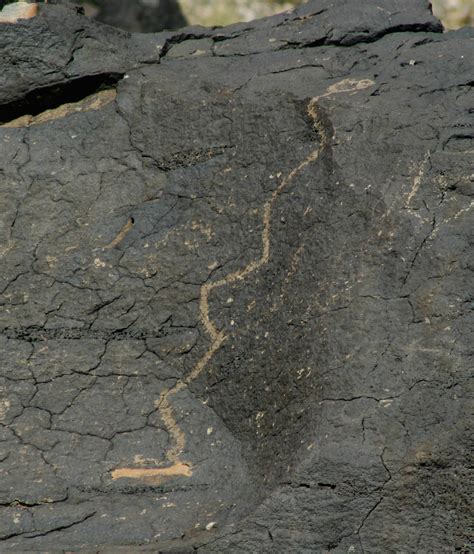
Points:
[(235, 284)]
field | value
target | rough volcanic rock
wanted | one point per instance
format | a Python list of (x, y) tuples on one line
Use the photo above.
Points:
[(235, 284)]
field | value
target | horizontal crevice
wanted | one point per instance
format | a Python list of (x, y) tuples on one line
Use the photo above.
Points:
[(327, 485), (35, 333), (349, 40), (53, 96)]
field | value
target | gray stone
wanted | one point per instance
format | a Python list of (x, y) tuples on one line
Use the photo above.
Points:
[(235, 287)]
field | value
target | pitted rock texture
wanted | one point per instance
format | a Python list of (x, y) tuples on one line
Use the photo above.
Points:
[(235, 309)]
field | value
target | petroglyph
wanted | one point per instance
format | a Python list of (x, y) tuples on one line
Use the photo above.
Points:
[(417, 180), (177, 436), (121, 234), (157, 475)]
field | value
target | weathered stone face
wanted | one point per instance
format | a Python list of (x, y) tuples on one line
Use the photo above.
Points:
[(234, 310)]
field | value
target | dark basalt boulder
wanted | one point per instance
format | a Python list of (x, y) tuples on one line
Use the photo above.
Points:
[(235, 287)]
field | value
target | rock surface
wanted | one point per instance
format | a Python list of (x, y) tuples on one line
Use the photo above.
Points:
[(235, 285)]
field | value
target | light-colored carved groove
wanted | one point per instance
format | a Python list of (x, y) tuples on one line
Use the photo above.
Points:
[(121, 234), (417, 180), (218, 336), (158, 474)]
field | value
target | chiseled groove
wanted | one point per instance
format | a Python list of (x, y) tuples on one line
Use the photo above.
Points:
[(218, 336), (121, 234)]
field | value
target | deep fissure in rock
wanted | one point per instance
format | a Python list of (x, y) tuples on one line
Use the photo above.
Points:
[(50, 97)]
